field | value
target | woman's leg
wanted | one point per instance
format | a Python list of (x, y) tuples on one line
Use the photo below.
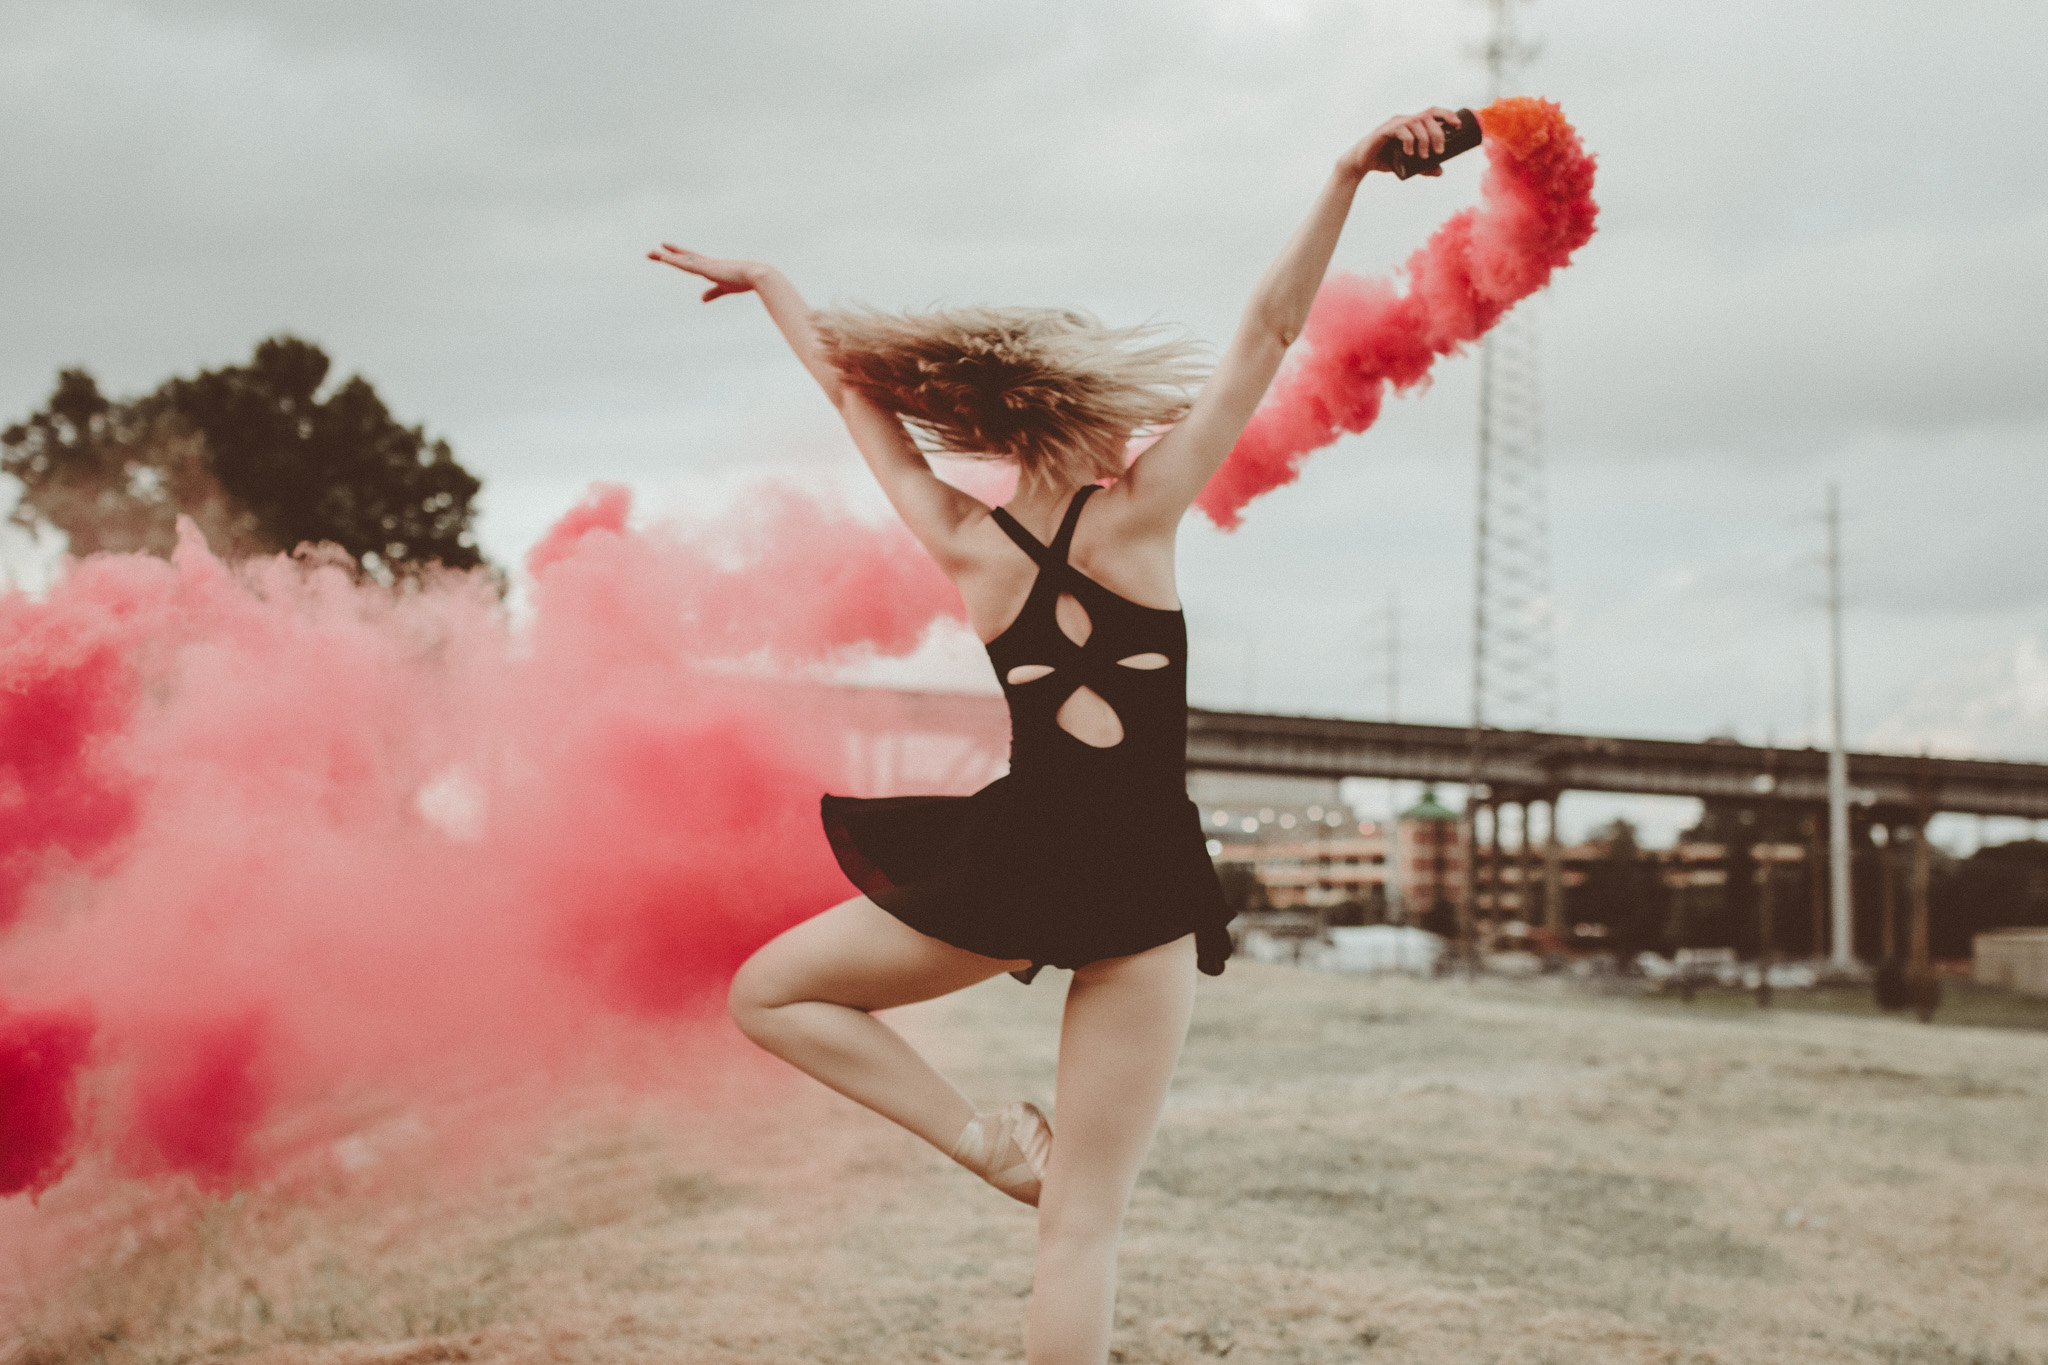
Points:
[(806, 996), (1125, 1020)]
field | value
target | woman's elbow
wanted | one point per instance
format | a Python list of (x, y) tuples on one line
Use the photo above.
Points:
[(1265, 337), (1273, 325)]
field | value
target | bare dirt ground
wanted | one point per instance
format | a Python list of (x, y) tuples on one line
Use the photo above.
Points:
[(1351, 1169)]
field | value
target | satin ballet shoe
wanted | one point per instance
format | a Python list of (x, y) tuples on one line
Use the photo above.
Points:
[(1008, 1149)]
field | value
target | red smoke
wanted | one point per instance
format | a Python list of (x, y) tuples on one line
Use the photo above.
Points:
[(1536, 209), (280, 847), (60, 687), (40, 1056)]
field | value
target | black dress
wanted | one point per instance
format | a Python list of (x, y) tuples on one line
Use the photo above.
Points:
[(1080, 853)]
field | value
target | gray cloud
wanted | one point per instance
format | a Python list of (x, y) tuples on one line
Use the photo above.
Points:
[(1821, 256)]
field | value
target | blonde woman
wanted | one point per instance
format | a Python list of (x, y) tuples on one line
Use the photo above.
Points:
[(1088, 855)]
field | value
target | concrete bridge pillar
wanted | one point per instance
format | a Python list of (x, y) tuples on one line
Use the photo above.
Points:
[(1525, 864), (1887, 892), (1817, 885), (1766, 923), (1493, 877), (1553, 870), (1917, 964)]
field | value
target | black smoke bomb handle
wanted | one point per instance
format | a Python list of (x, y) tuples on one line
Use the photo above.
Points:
[(1462, 138)]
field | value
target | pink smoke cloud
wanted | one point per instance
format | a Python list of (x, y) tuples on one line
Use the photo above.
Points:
[(1363, 335), (278, 841)]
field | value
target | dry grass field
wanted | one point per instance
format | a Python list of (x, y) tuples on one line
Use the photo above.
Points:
[(1351, 1170)]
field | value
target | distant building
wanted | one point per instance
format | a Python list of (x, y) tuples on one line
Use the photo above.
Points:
[(1318, 873), (1321, 858), (1431, 861), (1313, 856)]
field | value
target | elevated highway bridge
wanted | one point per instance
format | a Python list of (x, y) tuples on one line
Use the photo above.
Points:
[(1516, 766), (1891, 792)]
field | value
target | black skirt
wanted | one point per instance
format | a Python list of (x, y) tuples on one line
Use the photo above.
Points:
[(1058, 877)]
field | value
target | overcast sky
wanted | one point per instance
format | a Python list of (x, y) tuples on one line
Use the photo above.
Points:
[(1823, 255)]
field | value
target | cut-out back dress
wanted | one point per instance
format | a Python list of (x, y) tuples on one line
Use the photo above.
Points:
[(1081, 852)]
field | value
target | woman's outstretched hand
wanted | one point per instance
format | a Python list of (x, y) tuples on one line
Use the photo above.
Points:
[(727, 277), (1423, 132)]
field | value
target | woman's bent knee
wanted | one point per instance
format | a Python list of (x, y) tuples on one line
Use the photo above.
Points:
[(748, 1001)]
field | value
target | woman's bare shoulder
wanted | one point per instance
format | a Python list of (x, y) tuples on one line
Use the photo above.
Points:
[(1120, 544)]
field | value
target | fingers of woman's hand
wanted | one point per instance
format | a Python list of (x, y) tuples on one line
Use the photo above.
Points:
[(1436, 133), (1429, 139), (671, 254)]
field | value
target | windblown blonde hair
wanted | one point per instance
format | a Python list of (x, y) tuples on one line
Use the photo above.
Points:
[(1052, 389)]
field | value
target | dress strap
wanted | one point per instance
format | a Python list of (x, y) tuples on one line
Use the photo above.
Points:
[(1064, 541), (1055, 553), (1026, 542)]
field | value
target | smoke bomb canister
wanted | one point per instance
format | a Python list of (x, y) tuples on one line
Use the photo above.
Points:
[(1462, 138)]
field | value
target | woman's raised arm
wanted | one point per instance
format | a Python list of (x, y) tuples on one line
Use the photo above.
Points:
[(934, 510), (1165, 480)]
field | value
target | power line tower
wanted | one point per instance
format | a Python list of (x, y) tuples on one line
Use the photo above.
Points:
[(1514, 665)]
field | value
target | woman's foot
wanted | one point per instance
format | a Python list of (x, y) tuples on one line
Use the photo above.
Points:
[(1008, 1149)]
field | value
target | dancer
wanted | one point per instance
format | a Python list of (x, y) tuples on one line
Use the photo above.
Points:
[(1088, 855)]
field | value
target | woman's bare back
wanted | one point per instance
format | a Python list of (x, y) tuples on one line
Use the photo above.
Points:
[(996, 576)]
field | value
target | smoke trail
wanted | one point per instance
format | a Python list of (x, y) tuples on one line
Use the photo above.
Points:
[(276, 840), (1536, 209)]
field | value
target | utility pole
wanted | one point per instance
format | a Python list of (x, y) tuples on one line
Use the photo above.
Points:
[(1391, 835), (1393, 654), (1842, 949)]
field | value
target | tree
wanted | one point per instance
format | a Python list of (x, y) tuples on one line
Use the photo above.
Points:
[(1999, 886), (114, 477), (255, 457)]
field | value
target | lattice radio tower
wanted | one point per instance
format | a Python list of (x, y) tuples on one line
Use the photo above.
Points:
[(1514, 665)]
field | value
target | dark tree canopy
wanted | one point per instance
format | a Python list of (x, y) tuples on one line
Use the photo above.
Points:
[(1997, 887), (255, 456)]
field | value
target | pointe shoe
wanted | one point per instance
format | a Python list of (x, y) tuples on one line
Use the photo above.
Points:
[(1008, 1149)]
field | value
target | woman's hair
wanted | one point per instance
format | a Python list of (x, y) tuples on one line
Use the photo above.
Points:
[(1050, 388)]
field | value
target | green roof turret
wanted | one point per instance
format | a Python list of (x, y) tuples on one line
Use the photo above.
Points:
[(1429, 808)]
